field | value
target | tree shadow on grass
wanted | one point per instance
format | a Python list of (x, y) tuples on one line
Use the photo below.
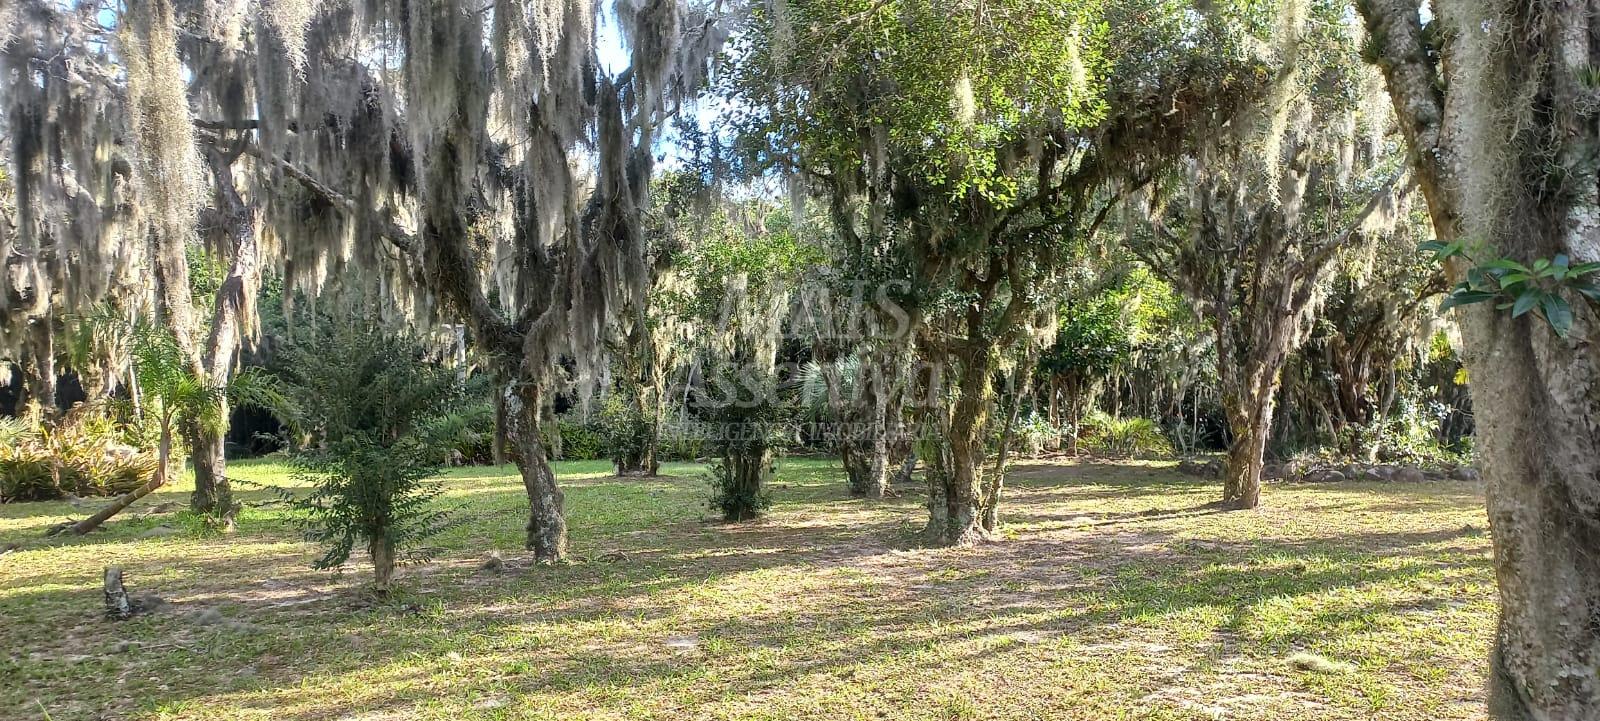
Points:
[(835, 583)]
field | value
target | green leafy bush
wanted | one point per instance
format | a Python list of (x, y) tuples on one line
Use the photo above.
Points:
[(26, 474), (580, 442), (378, 409), (1029, 435), (82, 454), (624, 430), (466, 434), (1124, 437)]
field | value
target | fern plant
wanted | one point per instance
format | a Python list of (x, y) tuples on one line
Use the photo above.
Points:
[(1126, 437)]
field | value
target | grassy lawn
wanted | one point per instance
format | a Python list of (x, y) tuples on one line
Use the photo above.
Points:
[(1117, 594)]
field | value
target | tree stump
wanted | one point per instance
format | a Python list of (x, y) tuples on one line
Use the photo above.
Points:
[(118, 605)]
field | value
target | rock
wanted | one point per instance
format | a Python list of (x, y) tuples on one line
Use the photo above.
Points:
[(150, 603), (161, 508), (1352, 471), (1325, 475), (493, 563), (1410, 475), (493, 702), (162, 531), (1211, 468), (1465, 473), (1382, 473), (1272, 472)]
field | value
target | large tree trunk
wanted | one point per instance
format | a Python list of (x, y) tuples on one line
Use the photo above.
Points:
[(1250, 422), (547, 526), (868, 415), (747, 469), (1536, 398), (637, 463), (1530, 191), (960, 521), (642, 375), (1249, 395), (212, 492)]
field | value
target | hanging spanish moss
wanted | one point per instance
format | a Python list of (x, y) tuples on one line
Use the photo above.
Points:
[(484, 169), (71, 232)]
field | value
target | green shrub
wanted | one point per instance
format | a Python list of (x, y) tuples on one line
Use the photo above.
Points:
[(467, 434), (1032, 434), (82, 454), (379, 409), (26, 474), (1124, 437), (580, 442), (626, 431)]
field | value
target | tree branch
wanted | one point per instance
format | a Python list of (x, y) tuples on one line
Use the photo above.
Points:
[(397, 236)]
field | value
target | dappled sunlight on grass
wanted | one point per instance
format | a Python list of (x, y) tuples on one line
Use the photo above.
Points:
[(1117, 592)]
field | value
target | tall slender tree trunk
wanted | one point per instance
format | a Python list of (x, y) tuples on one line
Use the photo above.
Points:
[(212, 491), (877, 481), (994, 483), (547, 525), (233, 310), (382, 552), (39, 373)]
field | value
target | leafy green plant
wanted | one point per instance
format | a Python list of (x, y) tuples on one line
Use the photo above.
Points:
[(26, 474), (1519, 288), (1125, 437), (15, 431), (81, 454), (1034, 432), (625, 430), (379, 413), (740, 494), (466, 434), (580, 441)]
